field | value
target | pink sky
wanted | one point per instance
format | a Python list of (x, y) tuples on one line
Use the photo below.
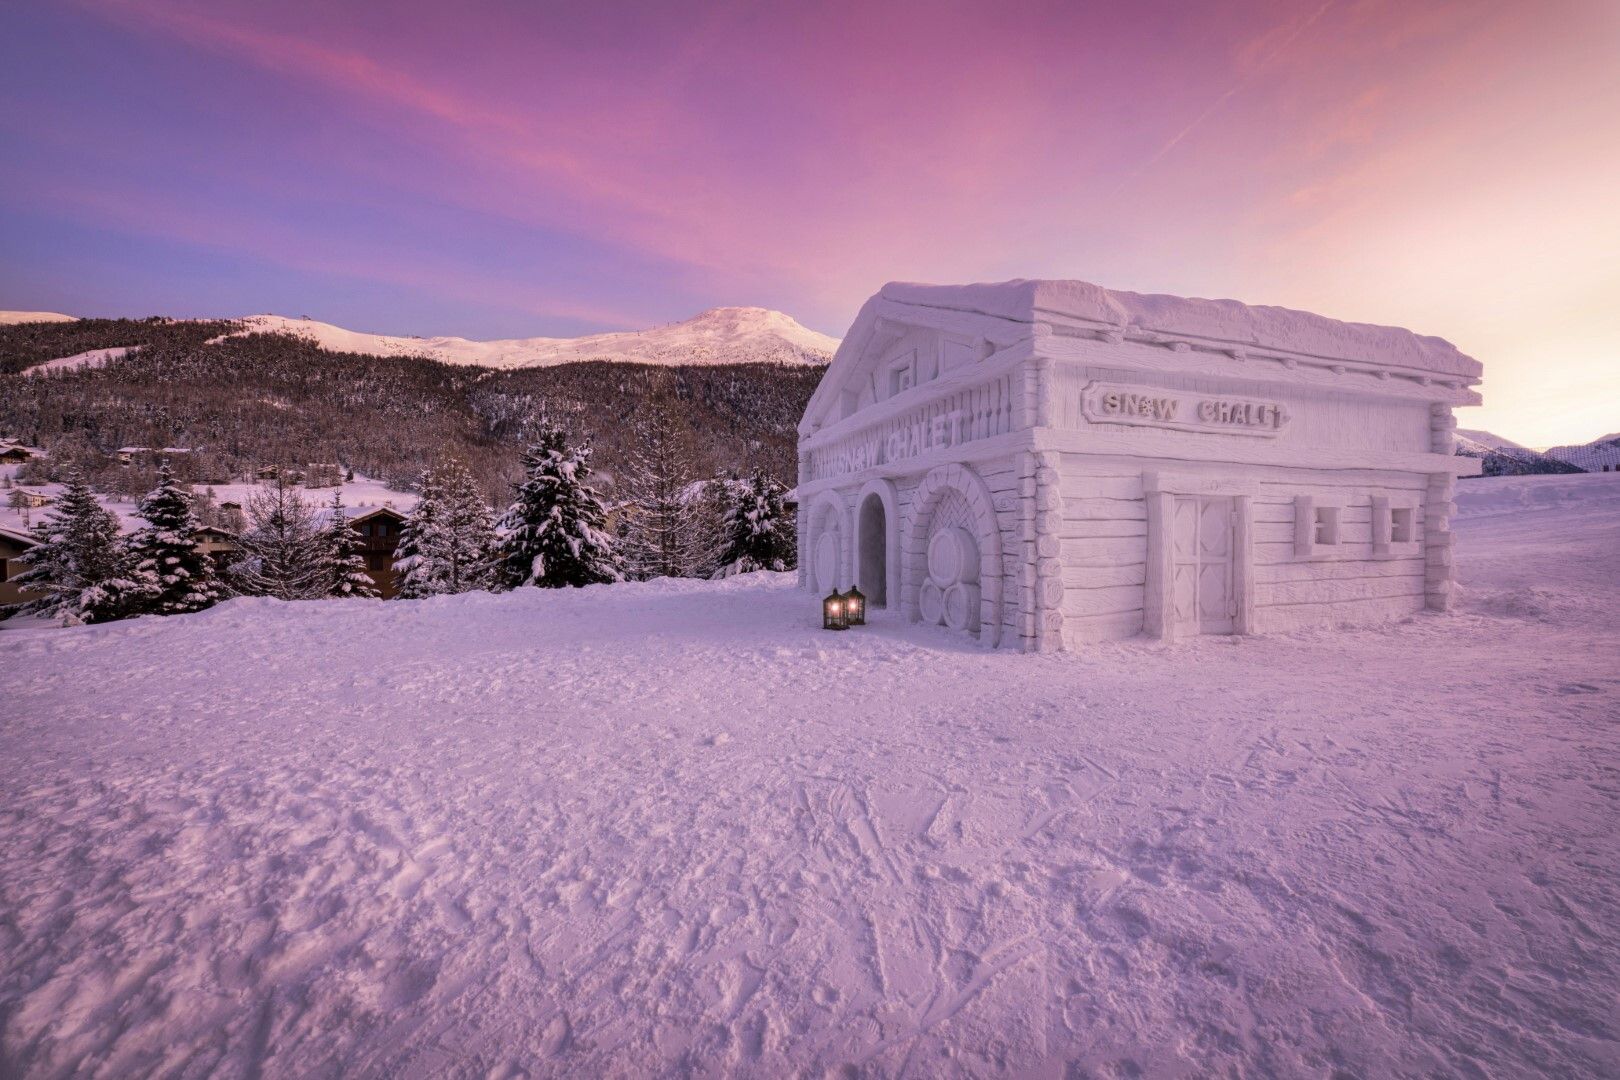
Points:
[(492, 168)]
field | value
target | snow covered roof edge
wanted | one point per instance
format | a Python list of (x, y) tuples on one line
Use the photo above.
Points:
[(1226, 321)]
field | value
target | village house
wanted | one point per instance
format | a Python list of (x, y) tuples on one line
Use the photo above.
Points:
[(16, 453), (19, 498), (1043, 464), (220, 545), (379, 529), (12, 546)]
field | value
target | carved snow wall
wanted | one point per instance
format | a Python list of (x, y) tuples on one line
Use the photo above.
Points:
[(986, 461)]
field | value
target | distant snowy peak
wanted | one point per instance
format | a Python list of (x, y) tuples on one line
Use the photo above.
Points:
[(12, 318), (728, 335)]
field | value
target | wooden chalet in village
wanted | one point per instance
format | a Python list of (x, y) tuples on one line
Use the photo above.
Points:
[(12, 545), (379, 529)]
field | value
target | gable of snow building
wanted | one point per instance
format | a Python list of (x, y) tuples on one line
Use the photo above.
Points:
[(912, 341), (897, 354)]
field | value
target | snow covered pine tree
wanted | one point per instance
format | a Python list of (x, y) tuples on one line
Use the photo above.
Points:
[(343, 556), (80, 563), (282, 556), (171, 575), (448, 544), (759, 531), (556, 529), (663, 529)]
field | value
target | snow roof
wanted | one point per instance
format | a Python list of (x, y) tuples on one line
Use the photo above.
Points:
[(1227, 322), (18, 537)]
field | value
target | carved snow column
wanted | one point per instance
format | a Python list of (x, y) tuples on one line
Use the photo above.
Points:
[(1438, 577), (1042, 572), (1048, 553)]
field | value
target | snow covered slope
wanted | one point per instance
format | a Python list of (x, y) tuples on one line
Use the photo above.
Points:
[(1596, 456), (1503, 457), (732, 335), (92, 359), (676, 829), (10, 318)]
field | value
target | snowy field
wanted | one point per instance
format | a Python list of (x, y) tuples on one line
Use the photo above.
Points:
[(670, 829)]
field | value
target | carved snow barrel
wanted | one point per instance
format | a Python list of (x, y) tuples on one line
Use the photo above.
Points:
[(962, 607), (931, 603), (953, 556)]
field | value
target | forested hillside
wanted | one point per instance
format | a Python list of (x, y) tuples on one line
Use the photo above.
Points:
[(23, 345), (263, 399)]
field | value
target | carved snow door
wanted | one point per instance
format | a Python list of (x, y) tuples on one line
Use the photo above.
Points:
[(1202, 587)]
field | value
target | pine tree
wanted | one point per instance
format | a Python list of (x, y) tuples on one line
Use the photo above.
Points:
[(410, 570), (663, 531), (713, 508), (171, 575), (448, 542), (343, 560), (759, 531), (79, 564), (555, 532), (282, 555)]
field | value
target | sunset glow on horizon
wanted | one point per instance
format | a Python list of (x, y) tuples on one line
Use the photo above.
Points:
[(498, 169)]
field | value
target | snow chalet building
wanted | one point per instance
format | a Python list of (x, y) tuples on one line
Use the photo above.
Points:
[(1041, 464)]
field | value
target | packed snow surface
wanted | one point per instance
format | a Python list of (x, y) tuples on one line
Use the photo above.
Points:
[(732, 335), (675, 828), (1227, 322)]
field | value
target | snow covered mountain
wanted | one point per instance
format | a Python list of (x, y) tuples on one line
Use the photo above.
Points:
[(727, 335), (12, 318), (1599, 455), (1504, 457)]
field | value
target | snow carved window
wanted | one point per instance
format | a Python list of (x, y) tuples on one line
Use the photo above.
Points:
[(1317, 526), (1327, 524), (1394, 526), (1400, 525)]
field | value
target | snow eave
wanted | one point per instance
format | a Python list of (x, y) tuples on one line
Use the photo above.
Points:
[(1128, 347), (1226, 324)]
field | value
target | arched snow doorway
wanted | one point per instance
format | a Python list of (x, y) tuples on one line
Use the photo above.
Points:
[(877, 543)]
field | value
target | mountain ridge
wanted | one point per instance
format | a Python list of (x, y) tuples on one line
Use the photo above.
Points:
[(721, 335)]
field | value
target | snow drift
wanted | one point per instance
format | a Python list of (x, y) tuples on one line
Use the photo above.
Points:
[(673, 828)]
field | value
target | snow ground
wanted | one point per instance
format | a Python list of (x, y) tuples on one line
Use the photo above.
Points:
[(674, 828)]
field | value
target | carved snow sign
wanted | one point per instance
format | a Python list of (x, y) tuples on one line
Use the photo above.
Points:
[(1104, 403)]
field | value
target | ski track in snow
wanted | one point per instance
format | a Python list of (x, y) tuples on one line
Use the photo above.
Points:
[(673, 829)]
